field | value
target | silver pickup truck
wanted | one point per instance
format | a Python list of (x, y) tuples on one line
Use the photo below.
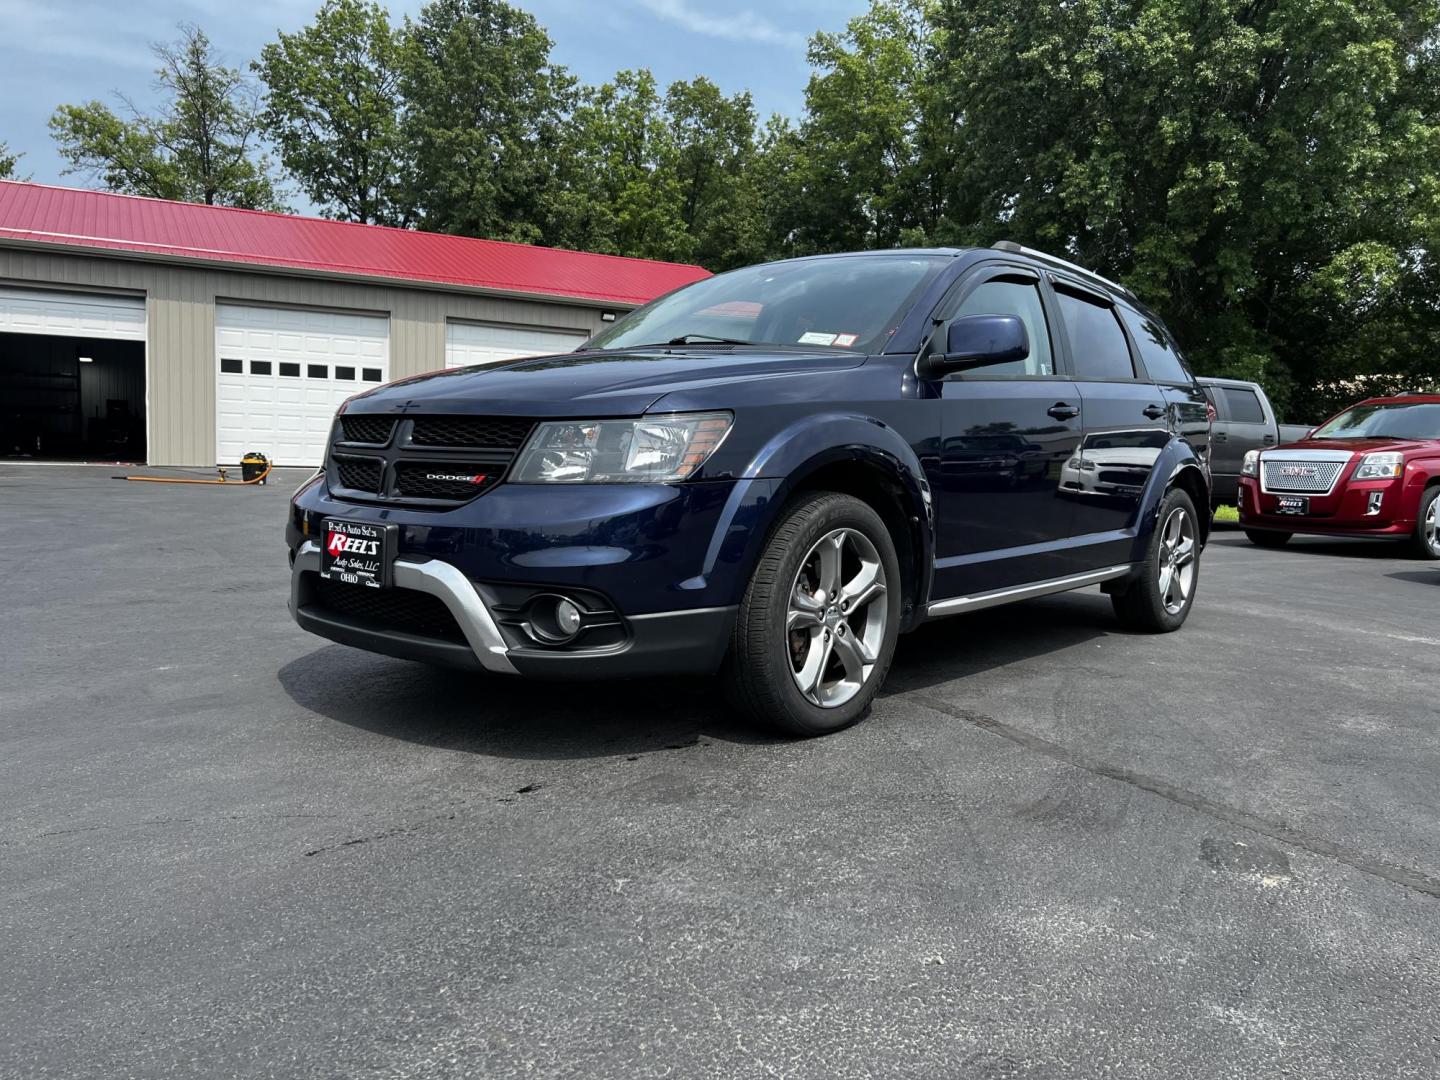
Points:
[(1244, 420)]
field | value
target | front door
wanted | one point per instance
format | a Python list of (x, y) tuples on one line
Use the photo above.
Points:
[(1007, 433)]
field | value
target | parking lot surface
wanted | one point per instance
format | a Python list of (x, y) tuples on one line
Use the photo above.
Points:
[(1054, 850)]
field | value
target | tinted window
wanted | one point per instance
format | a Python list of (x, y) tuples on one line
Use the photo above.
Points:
[(345, 373), (1162, 362), (371, 374), (1003, 297), (232, 367), (1397, 420), (852, 303), (317, 371), (1097, 343), (1244, 405), (290, 371), (259, 367)]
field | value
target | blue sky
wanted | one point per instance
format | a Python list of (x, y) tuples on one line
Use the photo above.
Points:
[(66, 51)]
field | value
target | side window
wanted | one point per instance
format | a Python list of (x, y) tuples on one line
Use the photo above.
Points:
[(1245, 407), (1007, 296), (1097, 344), (1162, 362)]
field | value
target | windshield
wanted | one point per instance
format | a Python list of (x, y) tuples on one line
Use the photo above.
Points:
[(1420, 420), (852, 303)]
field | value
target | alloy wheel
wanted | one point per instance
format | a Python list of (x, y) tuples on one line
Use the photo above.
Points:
[(1432, 537), (1177, 560), (837, 617)]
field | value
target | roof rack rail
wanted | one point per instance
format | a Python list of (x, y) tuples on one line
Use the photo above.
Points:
[(1018, 249)]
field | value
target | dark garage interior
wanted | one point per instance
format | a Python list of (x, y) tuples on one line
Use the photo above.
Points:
[(71, 399)]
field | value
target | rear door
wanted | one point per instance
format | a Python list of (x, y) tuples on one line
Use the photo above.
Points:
[(1126, 425), (1248, 426)]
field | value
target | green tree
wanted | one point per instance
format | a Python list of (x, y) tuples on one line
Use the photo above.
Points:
[(483, 118), (200, 147), (8, 161), (333, 112), (1264, 173)]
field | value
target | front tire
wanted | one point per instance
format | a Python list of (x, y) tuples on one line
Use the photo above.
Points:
[(1267, 539), (1425, 542), (816, 630), (1159, 601)]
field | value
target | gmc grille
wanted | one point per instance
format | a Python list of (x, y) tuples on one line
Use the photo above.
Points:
[(1301, 477)]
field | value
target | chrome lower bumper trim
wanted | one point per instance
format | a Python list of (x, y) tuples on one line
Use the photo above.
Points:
[(439, 579)]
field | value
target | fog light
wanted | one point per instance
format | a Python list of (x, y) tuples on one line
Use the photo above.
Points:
[(567, 618), (1376, 498)]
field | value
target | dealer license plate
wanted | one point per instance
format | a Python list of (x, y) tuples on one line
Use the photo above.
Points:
[(357, 552), (1292, 504)]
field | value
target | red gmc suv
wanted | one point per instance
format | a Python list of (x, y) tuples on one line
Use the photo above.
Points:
[(1374, 470)]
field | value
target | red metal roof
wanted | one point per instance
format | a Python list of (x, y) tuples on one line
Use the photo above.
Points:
[(98, 220)]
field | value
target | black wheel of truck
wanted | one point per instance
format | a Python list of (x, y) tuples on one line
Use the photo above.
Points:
[(1159, 600), (816, 630), (1267, 538), (1425, 542)]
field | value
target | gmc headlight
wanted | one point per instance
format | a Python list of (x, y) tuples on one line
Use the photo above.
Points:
[(1380, 466), (651, 450), (1251, 465)]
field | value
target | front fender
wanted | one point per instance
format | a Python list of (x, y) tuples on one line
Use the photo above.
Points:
[(836, 441), (1178, 463)]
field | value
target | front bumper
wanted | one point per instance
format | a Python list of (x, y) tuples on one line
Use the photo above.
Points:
[(661, 643), (1344, 511)]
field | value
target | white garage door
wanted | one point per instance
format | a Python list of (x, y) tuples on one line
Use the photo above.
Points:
[(90, 315), (281, 374), (475, 343)]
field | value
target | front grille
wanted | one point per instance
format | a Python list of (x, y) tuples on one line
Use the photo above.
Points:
[(367, 429), (1304, 477), (360, 474), (430, 480), (389, 609), (471, 432)]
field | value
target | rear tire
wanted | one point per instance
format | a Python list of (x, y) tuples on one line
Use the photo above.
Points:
[(1159, 601), (816, 630), (1267, 539), (1425, 542)]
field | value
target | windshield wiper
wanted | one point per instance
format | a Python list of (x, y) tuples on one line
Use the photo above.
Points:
[(685, 339)]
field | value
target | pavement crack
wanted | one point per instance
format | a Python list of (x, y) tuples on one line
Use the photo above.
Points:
[(1274, 828)]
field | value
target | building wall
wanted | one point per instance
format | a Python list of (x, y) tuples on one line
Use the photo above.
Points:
[(180, 309)]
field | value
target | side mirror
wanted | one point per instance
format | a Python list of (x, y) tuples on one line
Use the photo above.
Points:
[(977, 341)]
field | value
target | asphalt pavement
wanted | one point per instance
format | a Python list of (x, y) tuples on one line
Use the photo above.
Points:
[(1055, 849)]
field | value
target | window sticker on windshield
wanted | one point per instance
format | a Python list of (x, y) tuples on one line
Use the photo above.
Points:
[(845, 340), (813, 337)]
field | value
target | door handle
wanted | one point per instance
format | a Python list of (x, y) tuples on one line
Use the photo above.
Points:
[(1061, 411), (1268, 439), (1154, 412), (1220, 436)]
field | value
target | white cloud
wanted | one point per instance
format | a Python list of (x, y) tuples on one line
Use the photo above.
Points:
[(734, 26)]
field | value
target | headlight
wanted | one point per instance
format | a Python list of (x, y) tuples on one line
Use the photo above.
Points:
[(1380, 466), (1251, 465), (651, 450)]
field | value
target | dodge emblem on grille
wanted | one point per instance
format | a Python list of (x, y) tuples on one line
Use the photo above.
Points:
[(1299, 470), (457, 479)]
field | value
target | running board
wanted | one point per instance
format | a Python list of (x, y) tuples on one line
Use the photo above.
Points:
[(979, 601)]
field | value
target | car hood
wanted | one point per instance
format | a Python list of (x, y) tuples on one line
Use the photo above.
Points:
[(590, 383), (1362, 446)]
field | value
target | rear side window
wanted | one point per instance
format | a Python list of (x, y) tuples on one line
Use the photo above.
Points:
[(1244, 405), (1162, 362), (1097, 343)]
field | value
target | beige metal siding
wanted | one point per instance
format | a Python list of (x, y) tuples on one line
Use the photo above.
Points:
[(180, 362)]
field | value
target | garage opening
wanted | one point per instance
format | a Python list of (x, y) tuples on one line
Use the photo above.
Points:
[(71, 398)]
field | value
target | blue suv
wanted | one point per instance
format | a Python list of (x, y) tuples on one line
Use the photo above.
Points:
[(769, 474)]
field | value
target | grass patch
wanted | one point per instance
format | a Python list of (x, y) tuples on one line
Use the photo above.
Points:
[(1228, 514)]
